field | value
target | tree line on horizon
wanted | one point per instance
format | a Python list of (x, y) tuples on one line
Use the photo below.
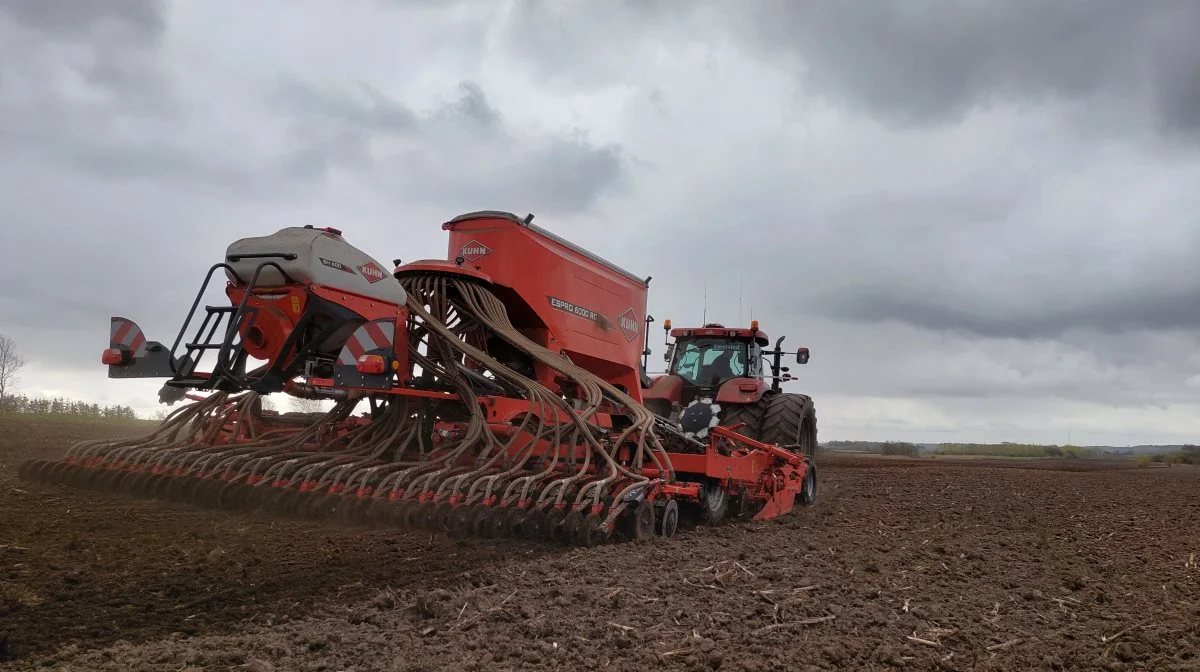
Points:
[(1003, 449), (1186, 454), (62, 406)]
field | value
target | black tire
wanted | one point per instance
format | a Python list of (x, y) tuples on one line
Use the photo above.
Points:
[(808, 496), (751, 414), (791, 419), (714, 502)]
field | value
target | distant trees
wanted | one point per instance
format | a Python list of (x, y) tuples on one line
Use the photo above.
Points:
[(11, 363), (1008, 449), (1187, 454), (15, 403), (880, 447), (898, 448)]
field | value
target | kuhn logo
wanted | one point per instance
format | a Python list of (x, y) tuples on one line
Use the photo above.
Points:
[(372, 272), (629, 324), (474, 251)]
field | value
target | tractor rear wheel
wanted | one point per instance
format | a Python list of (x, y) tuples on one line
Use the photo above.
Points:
[(790, 420)]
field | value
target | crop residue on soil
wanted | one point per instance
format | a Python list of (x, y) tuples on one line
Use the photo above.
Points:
[(907, 563)]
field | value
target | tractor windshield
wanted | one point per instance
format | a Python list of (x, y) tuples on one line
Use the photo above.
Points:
[(707, 361)]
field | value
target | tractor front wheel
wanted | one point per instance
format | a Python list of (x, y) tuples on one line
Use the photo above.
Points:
[(750, 414)]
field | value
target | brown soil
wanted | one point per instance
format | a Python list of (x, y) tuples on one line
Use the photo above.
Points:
[(921, 564)]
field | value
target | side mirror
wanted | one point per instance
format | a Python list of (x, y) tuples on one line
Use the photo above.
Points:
[(802, 356), (670, 351)]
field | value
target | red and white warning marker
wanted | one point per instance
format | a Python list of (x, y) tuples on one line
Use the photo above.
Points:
[(374, 335), (124, 334)]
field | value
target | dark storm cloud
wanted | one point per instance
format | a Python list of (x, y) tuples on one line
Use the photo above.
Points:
[(82, 82), (917, 62), (142, 18), (137, 128), (1148, 307), (120, 36), (931, 61), (460, 152)]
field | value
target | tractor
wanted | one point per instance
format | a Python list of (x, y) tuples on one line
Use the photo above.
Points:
[(717, 375)]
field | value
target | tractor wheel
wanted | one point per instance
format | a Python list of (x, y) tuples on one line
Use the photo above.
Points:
[(791, 419), (751, 414)]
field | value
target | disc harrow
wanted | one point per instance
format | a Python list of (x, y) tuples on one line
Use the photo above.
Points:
[(487, 417)]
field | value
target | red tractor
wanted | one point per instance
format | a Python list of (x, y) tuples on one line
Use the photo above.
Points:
[(717, 375)]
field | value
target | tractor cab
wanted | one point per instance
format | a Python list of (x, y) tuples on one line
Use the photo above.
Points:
[(717, 362), (707, 357)]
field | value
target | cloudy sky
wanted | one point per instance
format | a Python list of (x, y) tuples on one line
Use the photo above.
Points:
[(975, 214)]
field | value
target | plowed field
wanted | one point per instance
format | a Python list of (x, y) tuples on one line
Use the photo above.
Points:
[(920, 564)]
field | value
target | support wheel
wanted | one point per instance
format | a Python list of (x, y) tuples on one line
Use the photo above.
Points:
[(643, 521), (668, 522), (808, 495), (715, 502)]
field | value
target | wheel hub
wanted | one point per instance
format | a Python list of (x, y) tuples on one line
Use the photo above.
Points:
[(699, 417)]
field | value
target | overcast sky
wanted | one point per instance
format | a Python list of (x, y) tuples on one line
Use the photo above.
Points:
[(977, 215)]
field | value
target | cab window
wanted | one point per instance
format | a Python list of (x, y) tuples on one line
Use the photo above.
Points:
[(705, 361)]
